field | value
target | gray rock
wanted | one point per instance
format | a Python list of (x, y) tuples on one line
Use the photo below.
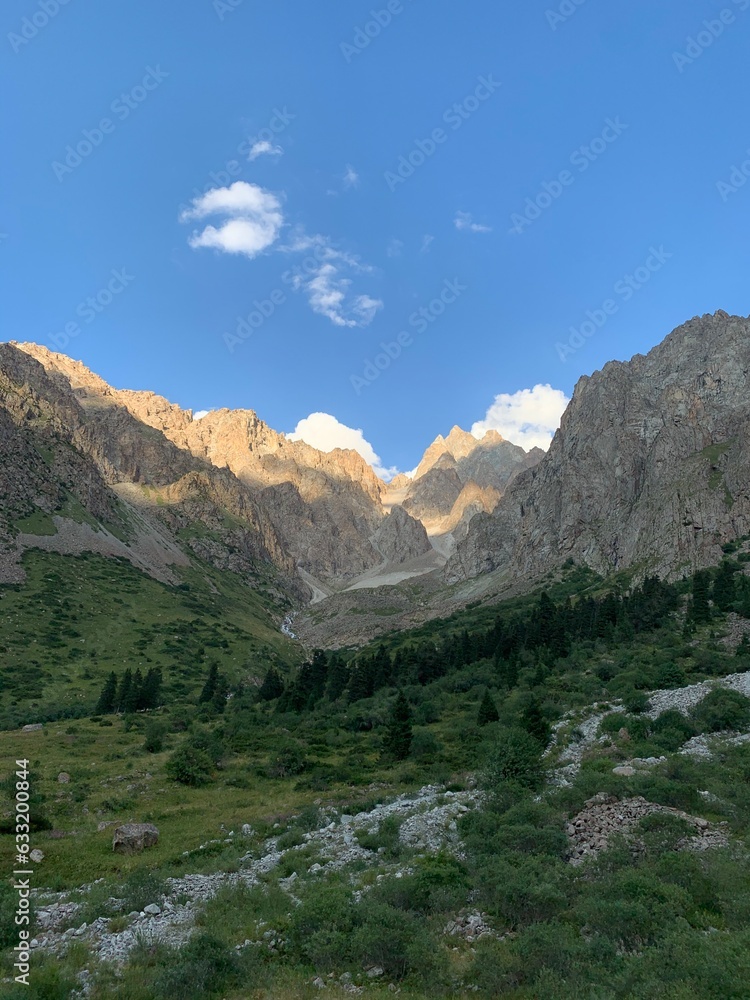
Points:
[(132, 838)]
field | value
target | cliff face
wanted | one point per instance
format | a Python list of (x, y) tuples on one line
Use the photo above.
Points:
[(461, 463), (74, 456), (650, 467), (314, 510)]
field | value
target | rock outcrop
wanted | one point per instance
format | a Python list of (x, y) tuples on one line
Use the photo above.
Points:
[(133, 838), (650, 467), (401, 537)]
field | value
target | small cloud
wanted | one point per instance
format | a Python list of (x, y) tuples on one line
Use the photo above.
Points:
[(264, 148), (463, 221), (351, 177), (255, 219), (528, 418), (200, 414), (325, 432), (395, 248), (427, 241), (327, 283)]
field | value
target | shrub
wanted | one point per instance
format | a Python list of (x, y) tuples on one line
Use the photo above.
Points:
[(287, 760), (722, 709), (189, 766), (202, 967), (154, 736), (515, 756)]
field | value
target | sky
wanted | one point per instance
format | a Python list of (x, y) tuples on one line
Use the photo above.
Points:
[(370, 223)]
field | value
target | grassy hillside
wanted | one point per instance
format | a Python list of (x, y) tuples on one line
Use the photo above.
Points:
[(75, 619), (484, 692)]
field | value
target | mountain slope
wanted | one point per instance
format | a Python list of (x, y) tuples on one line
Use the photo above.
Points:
[(650, 467)]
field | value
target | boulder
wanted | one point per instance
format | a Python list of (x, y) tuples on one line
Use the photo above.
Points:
[(132, 838), (63, 777)]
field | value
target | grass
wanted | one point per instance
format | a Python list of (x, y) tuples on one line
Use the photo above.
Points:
[(75, 619)]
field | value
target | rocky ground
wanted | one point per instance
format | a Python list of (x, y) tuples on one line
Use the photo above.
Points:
[(428, 823), (605, 816), (574, 735)]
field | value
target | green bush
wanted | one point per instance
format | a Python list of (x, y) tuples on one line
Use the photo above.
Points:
[(722, 709), (189, 766), (514, 756), (203, 967), (154, 736)]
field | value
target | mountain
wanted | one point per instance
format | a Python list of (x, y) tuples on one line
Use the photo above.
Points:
[(457, 476), (164, 486), (650, 468)]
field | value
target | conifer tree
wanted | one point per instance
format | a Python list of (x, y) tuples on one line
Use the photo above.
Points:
[(487, 710), (700, 610), (398, 736), (272, 686), (338, 677), (209, 688), (725, 589), (108, 696), (123, 697), (534, 722), (150, 692)]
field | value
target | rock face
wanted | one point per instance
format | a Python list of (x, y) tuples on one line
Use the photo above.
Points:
[(401, 537), (107, 482), (651, 466), (451, 464), (132, 838)]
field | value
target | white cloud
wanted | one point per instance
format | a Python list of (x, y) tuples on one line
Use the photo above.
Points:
[(324, 432), (351, 177), (463, 220), (264, 148), (325, 280), (254, 224), (528, 418), (394, 248), (427, 241), (200, 414)]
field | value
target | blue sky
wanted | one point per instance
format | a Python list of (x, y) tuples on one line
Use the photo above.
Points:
[(512, 172)]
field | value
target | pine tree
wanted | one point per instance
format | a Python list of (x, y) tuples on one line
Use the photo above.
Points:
[(129, 700), (209, 688), (700, 610), (382, 668), (150, 693), (362, 681), (725, 588), (122, 698), (272, 686), (398, 736), (107, 699), (534, 722), (338, 677), (487, 710)]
